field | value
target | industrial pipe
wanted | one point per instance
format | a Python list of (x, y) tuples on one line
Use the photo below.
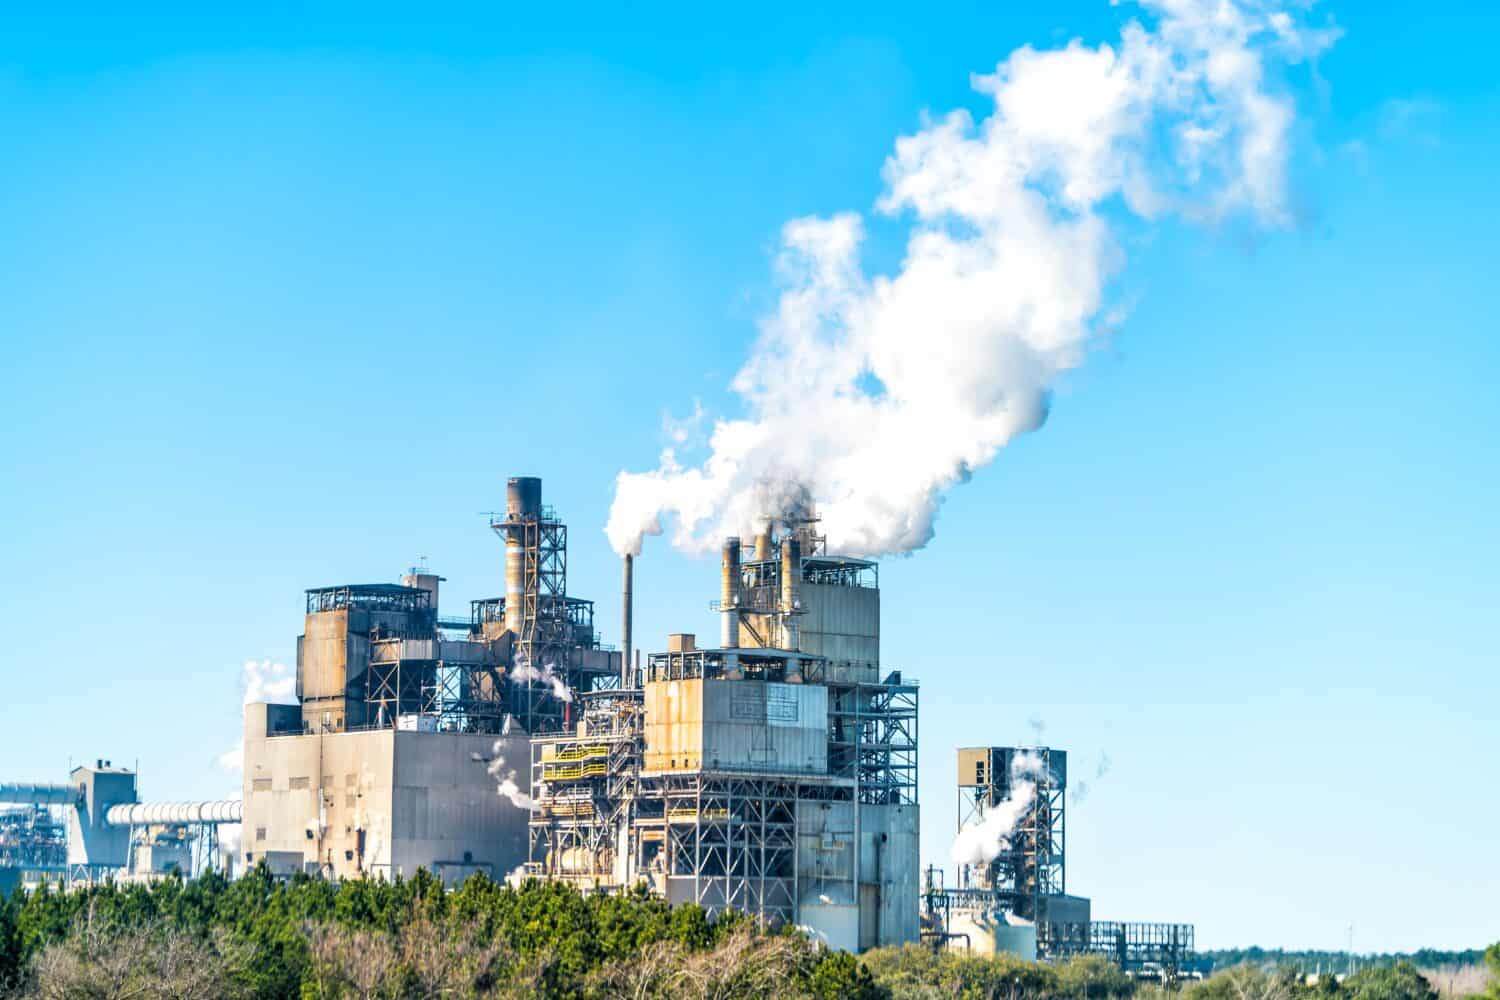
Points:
[(523, 502), (25, 793), (628, 614), (763, 545), (791, 600), (729, 637), (144, 813)]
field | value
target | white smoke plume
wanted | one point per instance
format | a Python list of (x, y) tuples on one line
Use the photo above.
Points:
[(506, 780), (231, 839), (260, 680), (525, 672), (981, 842), (874, 394)]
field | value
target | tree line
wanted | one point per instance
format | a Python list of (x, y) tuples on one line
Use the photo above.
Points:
[(310, 939)]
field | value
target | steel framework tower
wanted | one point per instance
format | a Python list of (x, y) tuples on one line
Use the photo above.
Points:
[(1031, 865)]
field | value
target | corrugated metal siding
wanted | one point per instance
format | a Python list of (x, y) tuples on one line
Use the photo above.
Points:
[(736, 725), (841, 623)]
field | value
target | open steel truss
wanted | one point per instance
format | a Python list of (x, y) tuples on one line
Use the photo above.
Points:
[(463, 696), (728, 842), (1159, 950), (873, 739), (1031, 864)]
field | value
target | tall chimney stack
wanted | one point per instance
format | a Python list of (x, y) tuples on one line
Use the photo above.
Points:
[(763, 544), (791, 600), (628, 612), (523, 502), (729, 633)]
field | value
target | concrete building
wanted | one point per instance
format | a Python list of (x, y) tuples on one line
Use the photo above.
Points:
[(406, 722), (1016, 899), (380, 801)]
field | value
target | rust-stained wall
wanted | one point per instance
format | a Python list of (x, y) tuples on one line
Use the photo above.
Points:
[(736, 725), (381, 802)]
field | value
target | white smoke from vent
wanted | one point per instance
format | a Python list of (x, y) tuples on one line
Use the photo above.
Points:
[(877, 393), (231, 839), (524, 673), (982, 842), (505, 779), (260, 680)]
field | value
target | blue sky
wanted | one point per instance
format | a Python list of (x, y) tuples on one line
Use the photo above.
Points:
[(285, 296)]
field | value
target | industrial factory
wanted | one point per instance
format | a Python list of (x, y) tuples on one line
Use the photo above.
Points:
[(773, 772), (1011, 894), (94, 826)]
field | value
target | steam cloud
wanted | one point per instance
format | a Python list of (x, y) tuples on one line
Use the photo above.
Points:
[(506, 780), (261, 680), (982, 842), (524, 672), (873, 395)]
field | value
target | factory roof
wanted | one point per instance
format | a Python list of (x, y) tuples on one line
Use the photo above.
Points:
[(369, 588), (385, 595)]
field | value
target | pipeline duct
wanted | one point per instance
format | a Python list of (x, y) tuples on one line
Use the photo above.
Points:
[(145, 813), (27, 793)]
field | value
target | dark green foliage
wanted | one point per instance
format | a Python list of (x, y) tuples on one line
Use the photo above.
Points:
[(10, 942), (262, 937), (841, 976), (1401, 981), (306, 937)]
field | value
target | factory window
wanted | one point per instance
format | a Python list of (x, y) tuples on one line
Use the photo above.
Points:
[(260, 785), (349, 800), (327, 781), (260, 833), (296, 783), (351, 780)]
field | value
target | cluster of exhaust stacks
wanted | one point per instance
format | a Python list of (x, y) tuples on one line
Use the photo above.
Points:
[(774, 773)]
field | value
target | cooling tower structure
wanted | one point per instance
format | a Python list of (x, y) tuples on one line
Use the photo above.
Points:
[(774, 774)]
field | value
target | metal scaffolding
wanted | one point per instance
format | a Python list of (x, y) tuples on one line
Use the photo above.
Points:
[(1143, 949), (1031, 865), (455, 683), (872, 738), (550, 626), (722, 840)]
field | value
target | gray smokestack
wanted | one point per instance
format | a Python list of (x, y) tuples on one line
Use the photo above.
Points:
[(791, 598), (729, 637), (523, 501), (628, 613)]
